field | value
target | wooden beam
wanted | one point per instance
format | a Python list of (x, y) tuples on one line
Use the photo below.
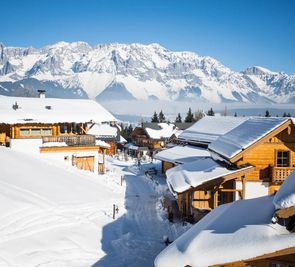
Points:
[(243, 187), (286, 213)]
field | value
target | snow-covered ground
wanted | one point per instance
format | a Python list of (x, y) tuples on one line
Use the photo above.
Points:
[(56, 215)]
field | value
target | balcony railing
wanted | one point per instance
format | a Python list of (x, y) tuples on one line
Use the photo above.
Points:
[(279, 174), (72, 140)]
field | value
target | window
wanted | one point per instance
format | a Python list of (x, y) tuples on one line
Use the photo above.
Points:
[(47, 131), (283, 159), (280, 264), (35, 131), (24, 132)]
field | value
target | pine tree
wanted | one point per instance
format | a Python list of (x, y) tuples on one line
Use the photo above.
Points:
[(155, 117), (289, 114), (267, 114), (162, 117), (285, 114), (236, 115), (189, 116), (178, 118), (210, 112)]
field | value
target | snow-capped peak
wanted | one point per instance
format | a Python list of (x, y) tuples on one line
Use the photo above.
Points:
[(138, 71)]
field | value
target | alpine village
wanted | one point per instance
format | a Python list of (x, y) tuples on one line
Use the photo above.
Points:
[(147, 133)]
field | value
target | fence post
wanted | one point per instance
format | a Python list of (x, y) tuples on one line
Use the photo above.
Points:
[(114, 211)]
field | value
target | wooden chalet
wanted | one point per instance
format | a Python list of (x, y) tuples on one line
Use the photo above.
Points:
[(108, 133), (194, 139), (152, 136), (56, 128), (251, 160), (257, 232)]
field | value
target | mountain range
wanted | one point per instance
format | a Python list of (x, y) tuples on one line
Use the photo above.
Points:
[(135, 71)]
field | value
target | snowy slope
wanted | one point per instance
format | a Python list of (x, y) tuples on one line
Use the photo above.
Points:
[(53, 215), (135, 71)]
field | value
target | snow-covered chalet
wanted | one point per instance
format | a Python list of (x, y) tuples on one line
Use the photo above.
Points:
[(225, 159), (55, 128)]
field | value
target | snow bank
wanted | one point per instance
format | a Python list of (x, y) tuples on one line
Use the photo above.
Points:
[(52, 215), (233, 232), (210, 128), (244, 135), (285, 197), (51, 110)]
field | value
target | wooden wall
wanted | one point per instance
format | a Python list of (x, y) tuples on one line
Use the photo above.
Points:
[(263, 156), (166, 166)]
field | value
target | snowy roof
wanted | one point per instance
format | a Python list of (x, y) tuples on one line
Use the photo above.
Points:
[(193, 174), (165, 131), (210, 128), (102, 144), (285, 197), (244, 135), (104, 129), (226, 235), (182, 154), (51, 110), (122, 140)]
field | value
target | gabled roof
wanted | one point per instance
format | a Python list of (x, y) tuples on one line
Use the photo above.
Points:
[(245, 135), (102, 130), (182, 154), (239, 231), (193, 174), (209, 129), (163, 130), (51, 110)]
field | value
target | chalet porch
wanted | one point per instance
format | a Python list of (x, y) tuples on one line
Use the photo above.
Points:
[(205, 184)]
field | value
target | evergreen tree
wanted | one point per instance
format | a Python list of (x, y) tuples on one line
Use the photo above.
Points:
[(189, 116), (155, 117), (210, 112), (285, 114), (289, 114), (162, 117), (267, 114), (236, 115), (178, 118)]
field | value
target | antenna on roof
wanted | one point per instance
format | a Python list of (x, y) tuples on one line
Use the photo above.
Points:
[(41, 93)]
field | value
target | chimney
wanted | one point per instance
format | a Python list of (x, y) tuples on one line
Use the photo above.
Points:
[(41, 93)]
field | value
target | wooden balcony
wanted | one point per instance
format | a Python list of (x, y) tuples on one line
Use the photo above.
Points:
[(279, 174), (71, 140)]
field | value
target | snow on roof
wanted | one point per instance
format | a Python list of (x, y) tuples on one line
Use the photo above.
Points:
[(182, 154), (104, 129), (193, 174), (122, 140), (166, 130), (233, 232), (210, 128), (102, 144), (51, 110), (285, 197), (244, 135)]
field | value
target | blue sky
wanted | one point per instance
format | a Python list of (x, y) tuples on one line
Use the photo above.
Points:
[(239, 33)]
